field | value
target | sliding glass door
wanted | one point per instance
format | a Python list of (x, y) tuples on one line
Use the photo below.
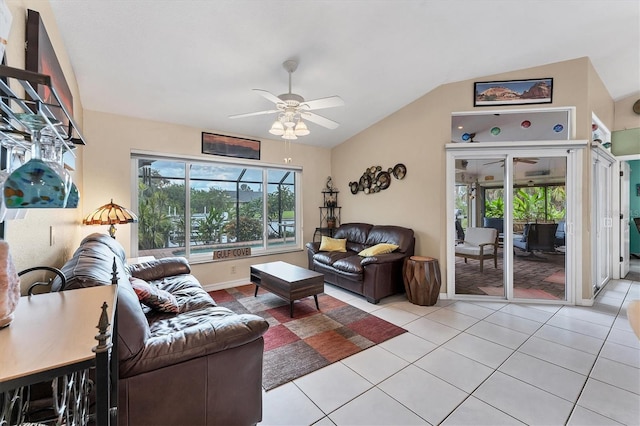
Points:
[(538, 232), (479, 226), (510, 212)]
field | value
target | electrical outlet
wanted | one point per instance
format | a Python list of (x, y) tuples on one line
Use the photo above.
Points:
[(233, 269)]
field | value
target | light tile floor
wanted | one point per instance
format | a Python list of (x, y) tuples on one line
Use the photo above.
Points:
[(479, 363)]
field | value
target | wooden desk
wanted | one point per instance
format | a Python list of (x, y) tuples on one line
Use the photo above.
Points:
[(53, 334)]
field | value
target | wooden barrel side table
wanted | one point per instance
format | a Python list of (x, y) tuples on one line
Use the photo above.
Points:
[(422, 280)]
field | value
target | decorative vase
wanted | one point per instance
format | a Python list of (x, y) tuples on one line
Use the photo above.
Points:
[(9, 286), (331, 223)]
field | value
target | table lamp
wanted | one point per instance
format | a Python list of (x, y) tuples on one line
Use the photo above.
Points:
[(110, 214)]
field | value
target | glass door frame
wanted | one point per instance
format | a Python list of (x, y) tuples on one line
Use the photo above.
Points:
[(574, 152)]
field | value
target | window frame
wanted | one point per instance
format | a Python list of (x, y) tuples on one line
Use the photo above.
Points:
[(264, 167)]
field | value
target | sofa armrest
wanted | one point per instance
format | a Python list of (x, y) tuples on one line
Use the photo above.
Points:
[(313, 247), (198, 334), (159, 268), (383, 258)]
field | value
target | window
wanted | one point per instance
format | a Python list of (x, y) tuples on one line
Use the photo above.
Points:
[(191, 208)]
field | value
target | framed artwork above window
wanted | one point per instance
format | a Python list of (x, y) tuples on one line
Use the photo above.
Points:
[(229, 146)]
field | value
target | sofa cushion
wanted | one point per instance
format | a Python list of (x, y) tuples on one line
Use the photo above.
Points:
[(355, 233), (159, 268), (381, 248), (153, 297), (402, 237), (330, 257), (187, 290), (349, 265), (333, 244), (179, 338)]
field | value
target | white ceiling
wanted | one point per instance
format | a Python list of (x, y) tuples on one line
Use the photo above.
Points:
[(194, 62)]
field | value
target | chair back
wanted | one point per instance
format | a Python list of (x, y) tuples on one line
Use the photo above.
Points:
[(541, 236), (494, 222), (479, 236)]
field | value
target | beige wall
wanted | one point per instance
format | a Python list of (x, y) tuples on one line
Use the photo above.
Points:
[(416, 135), (110, 140), (626, 131), (625, 118), (29, 238)]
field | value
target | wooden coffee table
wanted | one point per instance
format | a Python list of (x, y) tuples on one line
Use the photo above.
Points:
[(287, 281)]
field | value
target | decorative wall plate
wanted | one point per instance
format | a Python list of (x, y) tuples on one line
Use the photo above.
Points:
[(354, 187), (399, 171), (384, 180)]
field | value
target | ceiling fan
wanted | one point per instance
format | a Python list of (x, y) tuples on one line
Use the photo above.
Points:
[(516, 160), (292, 108)]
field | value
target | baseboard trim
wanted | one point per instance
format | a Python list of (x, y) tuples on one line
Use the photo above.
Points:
[(226, 284)]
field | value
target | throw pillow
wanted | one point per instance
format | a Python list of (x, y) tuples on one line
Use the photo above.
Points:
[(153, 297), (333, 244), (381, 248)]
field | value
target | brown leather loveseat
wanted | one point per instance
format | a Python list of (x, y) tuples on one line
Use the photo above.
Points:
[(201, 365), (373, 277)]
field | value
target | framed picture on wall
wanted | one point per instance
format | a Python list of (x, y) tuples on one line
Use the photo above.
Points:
[(513, 92), (229, 146)]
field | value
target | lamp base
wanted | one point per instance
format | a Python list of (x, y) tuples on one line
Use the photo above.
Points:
[(112, 231)]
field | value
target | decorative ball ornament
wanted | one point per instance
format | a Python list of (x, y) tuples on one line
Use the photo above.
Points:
[(558, 128), (495, 131), (525, 124)]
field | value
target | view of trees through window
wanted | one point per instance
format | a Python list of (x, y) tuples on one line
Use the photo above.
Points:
[(530, 203), (188, 208)]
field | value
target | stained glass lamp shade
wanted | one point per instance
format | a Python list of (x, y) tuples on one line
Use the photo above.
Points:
[(110, 214)]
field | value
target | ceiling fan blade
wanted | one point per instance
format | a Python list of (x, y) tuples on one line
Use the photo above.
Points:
[(494, 162), (320, 120), (269, 96), (330, 102), (251, 114)]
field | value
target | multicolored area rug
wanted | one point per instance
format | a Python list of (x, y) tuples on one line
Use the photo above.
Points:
[(310, 340)]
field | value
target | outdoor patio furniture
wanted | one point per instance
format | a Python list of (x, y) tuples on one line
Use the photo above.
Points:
[(537, 237), (479, 244)]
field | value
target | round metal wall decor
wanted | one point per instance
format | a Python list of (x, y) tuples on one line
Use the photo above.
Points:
[(374, 179), (400, 171)]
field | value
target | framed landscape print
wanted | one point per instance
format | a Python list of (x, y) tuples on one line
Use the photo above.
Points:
[(230, 146), (513, 92)]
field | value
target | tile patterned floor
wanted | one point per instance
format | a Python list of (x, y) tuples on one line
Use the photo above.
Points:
[(479, 363), (540, 276)]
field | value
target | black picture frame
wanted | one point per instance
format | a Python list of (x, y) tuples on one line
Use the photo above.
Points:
[(513, 92), (40, 57), (230, 146)]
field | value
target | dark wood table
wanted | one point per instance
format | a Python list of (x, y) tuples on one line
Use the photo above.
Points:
[(287, 281)]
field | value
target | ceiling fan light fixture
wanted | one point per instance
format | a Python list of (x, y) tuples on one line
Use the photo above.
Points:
[(289, 134), (277, 128), (301, 129)]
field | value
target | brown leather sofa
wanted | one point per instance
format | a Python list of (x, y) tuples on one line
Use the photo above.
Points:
[(373, 277), (199, 366)]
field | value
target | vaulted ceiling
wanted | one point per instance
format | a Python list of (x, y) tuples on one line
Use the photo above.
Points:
[(195, 62)]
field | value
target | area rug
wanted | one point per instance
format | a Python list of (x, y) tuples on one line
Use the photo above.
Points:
[(524, 293), (556, 278), (310, 340)]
